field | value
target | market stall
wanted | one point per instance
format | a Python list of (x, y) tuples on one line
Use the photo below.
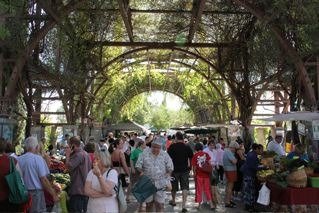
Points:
[(293, 199), (294, 187)]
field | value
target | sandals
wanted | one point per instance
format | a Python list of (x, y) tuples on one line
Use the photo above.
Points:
[(171, 203), (230, 205)]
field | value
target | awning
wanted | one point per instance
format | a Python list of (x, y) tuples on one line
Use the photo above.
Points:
[(293, 116), (201, 130), (128, 126)]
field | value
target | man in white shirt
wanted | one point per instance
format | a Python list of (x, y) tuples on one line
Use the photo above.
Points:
[(275, 145)]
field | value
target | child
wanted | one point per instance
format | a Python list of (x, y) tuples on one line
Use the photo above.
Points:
[(202, 180)]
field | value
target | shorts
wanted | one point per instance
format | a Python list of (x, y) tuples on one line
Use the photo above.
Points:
[(182, 178), (158, 197), (231, 176)]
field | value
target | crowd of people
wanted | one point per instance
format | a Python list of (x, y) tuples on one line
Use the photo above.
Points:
[(95, 167)]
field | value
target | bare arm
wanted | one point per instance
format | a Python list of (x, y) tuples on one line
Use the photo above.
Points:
[(234, 161), (240, 152), (123, 162), (132, 166), (106, 185), (89, 191), (46, 184)]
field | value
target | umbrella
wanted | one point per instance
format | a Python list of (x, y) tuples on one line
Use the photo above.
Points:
[(294, 116)]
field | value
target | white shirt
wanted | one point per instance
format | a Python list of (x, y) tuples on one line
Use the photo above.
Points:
[(212, 155), (276, 147)]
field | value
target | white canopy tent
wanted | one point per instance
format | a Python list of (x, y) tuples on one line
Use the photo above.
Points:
[(293, 116)]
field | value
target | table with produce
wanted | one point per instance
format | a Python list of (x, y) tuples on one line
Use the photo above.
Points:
[(60, 180), (294, 187)]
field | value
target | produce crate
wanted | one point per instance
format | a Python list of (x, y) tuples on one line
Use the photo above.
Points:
[(314, 182)]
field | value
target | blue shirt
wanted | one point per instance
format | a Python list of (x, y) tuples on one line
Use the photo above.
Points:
[(228, 157), (250, 167), (33, 167), (293, 154)]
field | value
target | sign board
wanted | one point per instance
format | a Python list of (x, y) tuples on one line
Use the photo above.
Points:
[(71, 130), (315, 129), (301, 129), (37, 131), (7, 127)]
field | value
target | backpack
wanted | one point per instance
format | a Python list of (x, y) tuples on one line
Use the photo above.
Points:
[(119, 194), (18, 193)]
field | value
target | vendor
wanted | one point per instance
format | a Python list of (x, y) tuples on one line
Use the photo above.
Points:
[(299, 152), (249, 169), (275, 145)]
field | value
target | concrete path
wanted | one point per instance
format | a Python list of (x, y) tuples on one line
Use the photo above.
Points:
[(191, 205)]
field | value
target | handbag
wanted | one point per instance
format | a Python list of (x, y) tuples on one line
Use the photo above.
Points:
[(120, 195), (143, 188), (206, 167), (18, 193)]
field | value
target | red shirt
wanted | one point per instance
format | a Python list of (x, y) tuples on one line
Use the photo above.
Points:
[(198, 159), (4, 170)]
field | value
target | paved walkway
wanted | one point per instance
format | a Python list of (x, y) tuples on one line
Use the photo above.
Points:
[(190, 204)]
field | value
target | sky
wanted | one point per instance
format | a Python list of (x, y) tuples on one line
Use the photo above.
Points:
[(173, 102)]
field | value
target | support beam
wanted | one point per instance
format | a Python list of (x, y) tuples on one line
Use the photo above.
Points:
[(198, 7), (48, 113), (126, 16), (162, 45), (159, 11)]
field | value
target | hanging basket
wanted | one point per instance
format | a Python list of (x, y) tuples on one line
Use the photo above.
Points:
[(297, 178)]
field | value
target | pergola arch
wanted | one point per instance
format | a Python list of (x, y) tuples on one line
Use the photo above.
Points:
[(170, 85), (123, 55), (53, 19)]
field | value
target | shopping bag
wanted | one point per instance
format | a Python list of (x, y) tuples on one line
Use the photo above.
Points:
[(143, 188), (18, 193), (121, 196), (56, 208), (264, 195)]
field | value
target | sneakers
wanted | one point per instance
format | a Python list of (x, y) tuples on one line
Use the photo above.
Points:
[(184, 210)]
